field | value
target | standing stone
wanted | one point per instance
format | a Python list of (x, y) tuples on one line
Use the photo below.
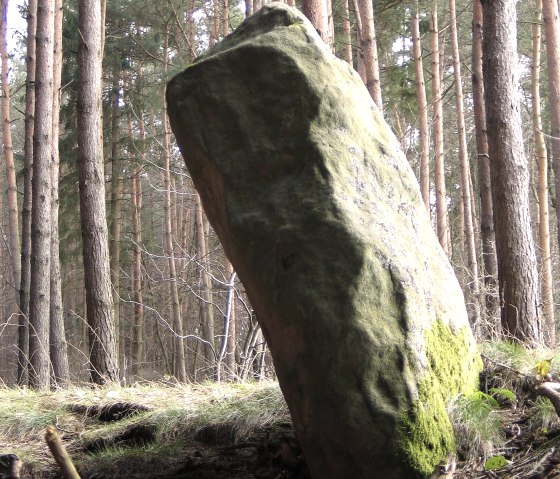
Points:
[(322, 218)]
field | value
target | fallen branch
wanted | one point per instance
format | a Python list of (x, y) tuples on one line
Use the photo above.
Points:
[(60, 455), (551, 391)]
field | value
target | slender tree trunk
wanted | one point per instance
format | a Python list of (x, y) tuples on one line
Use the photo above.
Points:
[(225, 18), (58, 347), (369, 48), (206, 316), (484, 179), (103, 360), (23, 334), (542, 185), (39, 306), (439, 167), (180, 365), (248, 8), (422, 113), (517, 271), (347, 33), (552, 35), (473, 285), (13, 224), (231, 349), (116, 206), (136, 196)]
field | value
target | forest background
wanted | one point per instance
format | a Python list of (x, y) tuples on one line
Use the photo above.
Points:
[(173, 306)]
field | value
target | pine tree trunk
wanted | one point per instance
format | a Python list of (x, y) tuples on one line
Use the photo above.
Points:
[(39, 305), (231, 349), (552, 36), (103, 360), (13, 224), (116, 206), (473, 301), (58, 347), (439, 167), (347, 33), (316, 12), (136, 197), (206, 316), (542, 186), (180, 364), (369, 48), (488, 238), (23, 333), (423, 122), (517, 271)]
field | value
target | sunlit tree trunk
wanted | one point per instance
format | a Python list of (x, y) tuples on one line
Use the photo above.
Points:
[(439, 173), (552, 36), (424, 136), (542, 185), (58, 346), (517, 270), (39, 305), (369, 48), (316, 12), (464, 166), (103, 360), (231, 349), (12, 203)]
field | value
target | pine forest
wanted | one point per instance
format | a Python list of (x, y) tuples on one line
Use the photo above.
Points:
[(110, 271)]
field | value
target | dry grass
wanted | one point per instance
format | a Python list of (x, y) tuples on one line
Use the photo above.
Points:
[(177, 413)]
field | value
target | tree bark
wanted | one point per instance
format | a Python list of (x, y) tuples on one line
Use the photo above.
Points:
[(169, 252), (473, 299), (99, 300), (488, 239), (206, 314), (517, 271), (39, 305), (136, 197), (116, 205), (552, 35), (58, 346), (23, 334), (542, 185), (347, 33), (13, 224), (423, 122), (369, 48), (439, 167), (316, 12)]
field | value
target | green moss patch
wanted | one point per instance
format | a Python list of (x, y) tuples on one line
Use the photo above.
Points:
[(451, 369)]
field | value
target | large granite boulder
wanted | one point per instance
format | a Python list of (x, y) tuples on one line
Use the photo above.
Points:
[(321, 216)]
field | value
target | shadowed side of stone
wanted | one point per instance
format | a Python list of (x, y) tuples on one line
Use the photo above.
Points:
[(322, 219)]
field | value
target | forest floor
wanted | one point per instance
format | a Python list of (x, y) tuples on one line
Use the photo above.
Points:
[(237, 431)]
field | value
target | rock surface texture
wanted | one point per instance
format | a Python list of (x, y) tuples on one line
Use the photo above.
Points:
[(321, 215)]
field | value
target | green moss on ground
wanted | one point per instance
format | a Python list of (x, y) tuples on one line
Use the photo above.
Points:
[(427, 431)]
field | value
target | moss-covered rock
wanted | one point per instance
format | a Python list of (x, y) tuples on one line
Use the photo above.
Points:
[(321, 215)]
